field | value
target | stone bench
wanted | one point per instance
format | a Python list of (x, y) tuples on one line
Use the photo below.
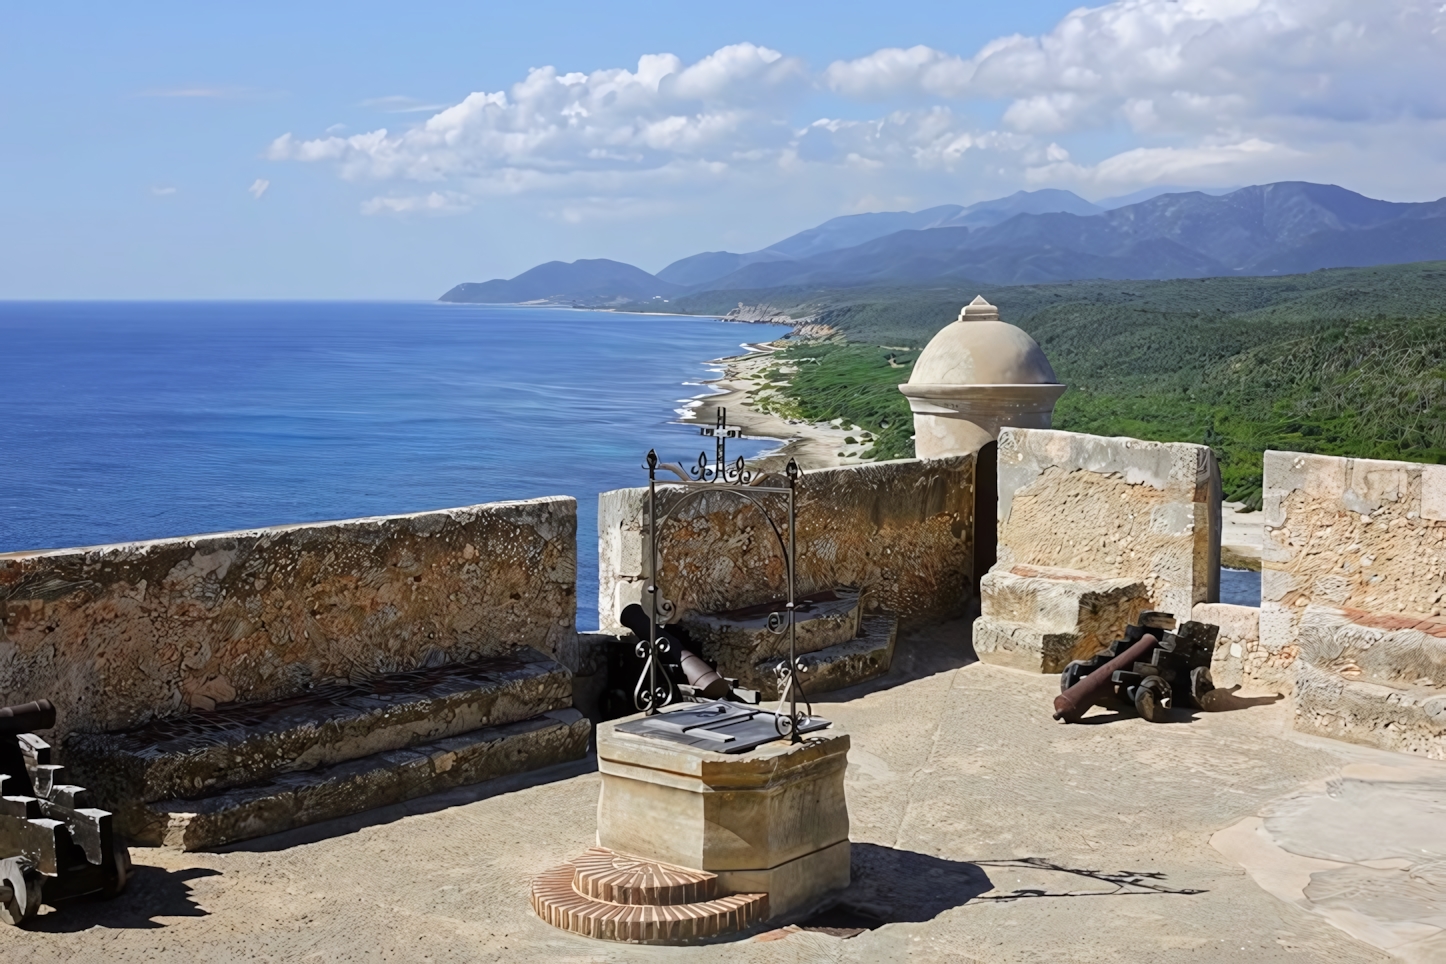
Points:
[(1039, 618), (248, 769), (837, 642), (1372, 678)]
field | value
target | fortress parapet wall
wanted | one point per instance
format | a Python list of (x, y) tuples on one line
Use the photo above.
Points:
[(900, 530), (121, 634), (1353, 591)]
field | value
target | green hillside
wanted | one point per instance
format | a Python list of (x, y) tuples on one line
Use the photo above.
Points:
[(1344, 362)]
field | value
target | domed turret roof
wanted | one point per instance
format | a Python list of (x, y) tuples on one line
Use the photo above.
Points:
[(979, 349)]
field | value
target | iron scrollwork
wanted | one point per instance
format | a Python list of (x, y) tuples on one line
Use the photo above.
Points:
[(655, 688)]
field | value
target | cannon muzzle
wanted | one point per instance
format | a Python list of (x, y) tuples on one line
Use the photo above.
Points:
[(27, 717)]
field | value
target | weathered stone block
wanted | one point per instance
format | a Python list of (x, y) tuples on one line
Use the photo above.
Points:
[(858, 660), (773, 820), (737, 639), (297, 799), (1349, 534), (1039, 618), (1115, 508), (1240, 659)]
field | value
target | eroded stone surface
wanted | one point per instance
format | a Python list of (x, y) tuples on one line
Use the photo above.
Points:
[(299, 799), (852, 661), (1113, 507), (1039, 618), (1354, 585), (118, 635), (902, 531), (1240, 658), (241, 743)]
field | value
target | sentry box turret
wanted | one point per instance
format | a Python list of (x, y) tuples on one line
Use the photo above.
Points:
[(53, 844)]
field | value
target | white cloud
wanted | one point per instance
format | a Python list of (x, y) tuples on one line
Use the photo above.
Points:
[(1193, 91), (436, 202), (162, 191), (734, 100), (258, 187)]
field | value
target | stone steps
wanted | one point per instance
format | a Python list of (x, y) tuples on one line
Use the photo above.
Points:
[(247, 769), (294, 800), (207, 750), (617, 897), (853, 661)]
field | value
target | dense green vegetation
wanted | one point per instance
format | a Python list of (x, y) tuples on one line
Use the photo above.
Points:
[(1345, 361)]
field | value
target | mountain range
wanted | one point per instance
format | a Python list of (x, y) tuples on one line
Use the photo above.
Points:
[(1030, 237)]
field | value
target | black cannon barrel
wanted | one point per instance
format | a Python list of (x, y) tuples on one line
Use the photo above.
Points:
[(1074, 702), (26, 717)]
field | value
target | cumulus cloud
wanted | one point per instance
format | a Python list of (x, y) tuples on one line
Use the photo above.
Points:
[(258, 187), (730, 102), (1187, 91)]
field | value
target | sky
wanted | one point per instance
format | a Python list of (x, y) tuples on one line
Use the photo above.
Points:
[(363, 150)]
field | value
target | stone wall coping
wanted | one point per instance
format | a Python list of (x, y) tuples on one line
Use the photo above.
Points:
[(286, 529)]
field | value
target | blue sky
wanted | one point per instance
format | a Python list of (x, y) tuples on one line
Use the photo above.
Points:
[(364, 150)]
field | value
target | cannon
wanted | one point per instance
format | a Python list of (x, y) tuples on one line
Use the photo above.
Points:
[(1154, 665), (53, 844)]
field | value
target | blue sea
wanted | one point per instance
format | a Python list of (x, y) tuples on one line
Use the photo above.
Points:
[(130, 420)]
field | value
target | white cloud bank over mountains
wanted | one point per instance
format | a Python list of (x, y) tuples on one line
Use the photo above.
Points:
[(1114, 98)]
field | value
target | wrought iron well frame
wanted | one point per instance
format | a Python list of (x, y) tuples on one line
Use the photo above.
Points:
[(655, 689)]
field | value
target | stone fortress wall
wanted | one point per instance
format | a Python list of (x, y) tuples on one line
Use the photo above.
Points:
[(1353, 595), (902, 531), (1092, 531), (122, 634)]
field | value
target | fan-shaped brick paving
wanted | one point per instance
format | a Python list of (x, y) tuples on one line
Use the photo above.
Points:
[(617, 897)]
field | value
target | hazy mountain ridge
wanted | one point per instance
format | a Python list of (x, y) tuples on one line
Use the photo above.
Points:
[(1032, 238)]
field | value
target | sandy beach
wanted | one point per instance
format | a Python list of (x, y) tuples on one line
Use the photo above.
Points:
[(815, 445)]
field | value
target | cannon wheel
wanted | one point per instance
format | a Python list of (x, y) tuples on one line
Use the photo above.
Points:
[(1200, 684), (1150, 697), (122, 855), (21, 888)]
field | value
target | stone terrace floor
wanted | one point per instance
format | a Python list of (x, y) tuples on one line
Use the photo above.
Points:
[(982, 831)]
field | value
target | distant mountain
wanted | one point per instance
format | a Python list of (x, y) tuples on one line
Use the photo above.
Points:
[(855, 229), (1145, 194), (1029, 238), (702, 268), (1287, 227), (595, 281)]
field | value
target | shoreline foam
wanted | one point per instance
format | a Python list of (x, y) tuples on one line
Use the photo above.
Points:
[(814, 445)]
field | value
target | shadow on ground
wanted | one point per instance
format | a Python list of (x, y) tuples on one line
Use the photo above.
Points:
[(1118, 883), (152, 892), (1216, 701), (895, 886), (919, 652), (456, 797)]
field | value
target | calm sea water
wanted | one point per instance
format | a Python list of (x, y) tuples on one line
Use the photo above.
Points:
[(134, 420)]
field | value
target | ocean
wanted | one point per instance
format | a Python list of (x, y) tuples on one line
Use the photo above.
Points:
[(133, 420)]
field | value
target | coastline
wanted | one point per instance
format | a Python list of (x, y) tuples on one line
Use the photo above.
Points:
[(814, 445)]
